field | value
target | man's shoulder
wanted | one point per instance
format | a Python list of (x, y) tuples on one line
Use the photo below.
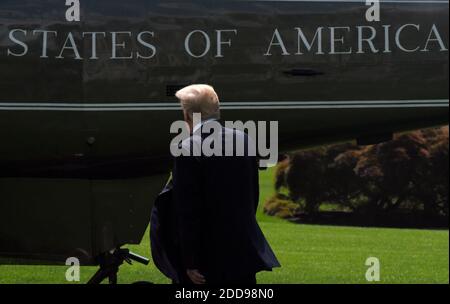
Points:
[(237, 133)]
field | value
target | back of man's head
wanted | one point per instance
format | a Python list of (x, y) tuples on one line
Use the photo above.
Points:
[(199, 98)]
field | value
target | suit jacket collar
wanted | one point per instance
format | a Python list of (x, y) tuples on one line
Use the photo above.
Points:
[(198, 126)]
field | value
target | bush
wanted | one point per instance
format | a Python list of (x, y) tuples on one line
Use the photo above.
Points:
[(408, 173), (281, 206)]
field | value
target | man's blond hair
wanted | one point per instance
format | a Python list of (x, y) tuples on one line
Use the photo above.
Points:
[(200, 98)]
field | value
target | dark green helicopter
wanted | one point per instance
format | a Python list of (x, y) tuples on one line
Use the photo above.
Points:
[(87, 99)]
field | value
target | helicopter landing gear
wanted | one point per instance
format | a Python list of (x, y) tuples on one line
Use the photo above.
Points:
[(110, 263)]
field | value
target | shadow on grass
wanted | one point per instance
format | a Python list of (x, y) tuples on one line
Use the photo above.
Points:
[(387, 220)]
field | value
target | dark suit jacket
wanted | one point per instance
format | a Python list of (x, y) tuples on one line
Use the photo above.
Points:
[(163, 236), (215, 201)]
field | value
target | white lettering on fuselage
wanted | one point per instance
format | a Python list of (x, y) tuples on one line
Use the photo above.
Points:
[(346, 40), (128, 45)]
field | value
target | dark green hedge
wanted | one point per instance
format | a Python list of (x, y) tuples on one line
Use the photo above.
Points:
[(409, 173)]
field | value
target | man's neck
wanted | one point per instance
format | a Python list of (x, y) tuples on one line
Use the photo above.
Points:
[(199, 125)]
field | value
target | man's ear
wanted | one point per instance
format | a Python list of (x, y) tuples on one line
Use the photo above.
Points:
[(187, 117)]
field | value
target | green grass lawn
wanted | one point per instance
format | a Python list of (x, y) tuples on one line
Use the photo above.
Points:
[(308, 254)]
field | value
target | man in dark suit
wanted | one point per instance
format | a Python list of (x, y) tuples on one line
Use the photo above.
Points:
[(215, 200)]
